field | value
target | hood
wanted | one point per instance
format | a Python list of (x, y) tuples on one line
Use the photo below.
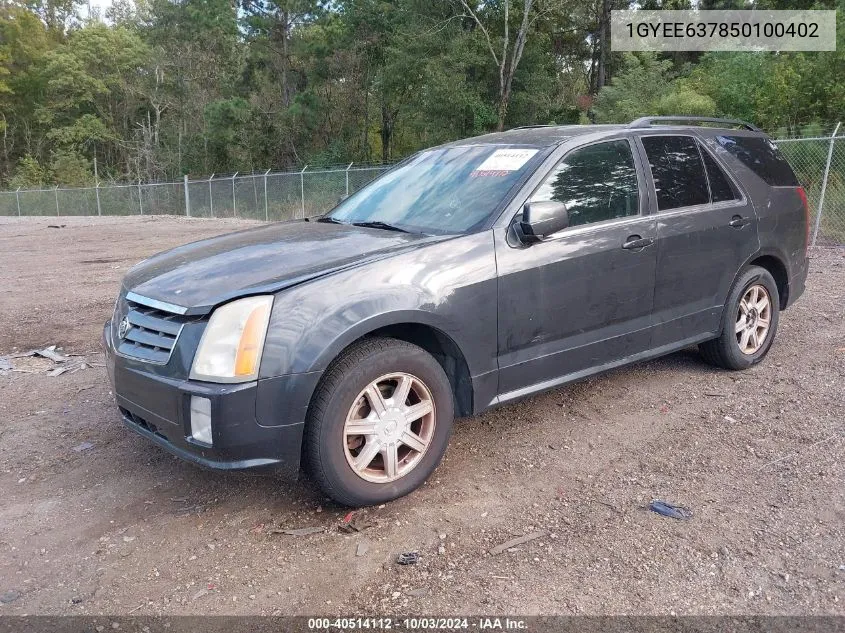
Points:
[(201, 275)]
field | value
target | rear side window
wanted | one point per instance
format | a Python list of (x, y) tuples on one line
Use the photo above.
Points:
[(677, 171), (762, 157), (720, 186), (596, 183)]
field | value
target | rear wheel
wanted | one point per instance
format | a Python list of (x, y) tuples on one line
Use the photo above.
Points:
[(749, 322), (379, 422)]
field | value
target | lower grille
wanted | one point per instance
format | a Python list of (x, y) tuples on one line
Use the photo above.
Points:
[(147, 333), (139, 421)]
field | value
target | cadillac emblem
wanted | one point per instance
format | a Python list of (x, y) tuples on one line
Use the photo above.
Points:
[(124, 327)]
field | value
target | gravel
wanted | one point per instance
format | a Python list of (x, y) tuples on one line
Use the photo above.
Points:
[(119, 526)]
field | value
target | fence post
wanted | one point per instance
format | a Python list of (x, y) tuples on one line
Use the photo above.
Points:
[(824, 183), (210, 197), (234, 206), (97, 184), (187, 197), (266, 208), (140, 198), (18, 198), (302, 188), (348, 167), (57, 200)]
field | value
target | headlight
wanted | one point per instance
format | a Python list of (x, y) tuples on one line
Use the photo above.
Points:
[(230, 348)]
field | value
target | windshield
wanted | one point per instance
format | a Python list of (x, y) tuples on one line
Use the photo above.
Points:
[(450, 190)]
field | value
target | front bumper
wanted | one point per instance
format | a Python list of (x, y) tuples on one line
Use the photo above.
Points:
[(256, 426)]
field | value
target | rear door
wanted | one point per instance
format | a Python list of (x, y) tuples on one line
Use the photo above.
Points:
[(706, 230), (581, 298)]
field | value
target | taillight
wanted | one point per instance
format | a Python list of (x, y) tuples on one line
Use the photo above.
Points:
[(803, 195)]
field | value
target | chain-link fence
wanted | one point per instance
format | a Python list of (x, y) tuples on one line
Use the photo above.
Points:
[(819, 163), (266, 196)]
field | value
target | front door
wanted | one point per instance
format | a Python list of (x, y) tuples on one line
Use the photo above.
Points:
[(706, 230), (581, 298)]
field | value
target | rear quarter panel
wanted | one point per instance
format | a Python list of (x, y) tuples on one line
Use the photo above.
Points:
[(782, 223)]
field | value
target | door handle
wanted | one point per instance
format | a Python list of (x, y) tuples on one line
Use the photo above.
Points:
[(738, 221), (637, 243)]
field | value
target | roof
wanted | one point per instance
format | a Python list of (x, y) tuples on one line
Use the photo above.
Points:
[(548, 135), (540, 135)]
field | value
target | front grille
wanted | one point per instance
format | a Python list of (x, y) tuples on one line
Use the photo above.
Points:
[(152, 332)]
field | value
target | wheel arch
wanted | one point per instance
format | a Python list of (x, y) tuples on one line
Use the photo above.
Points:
[(433, 339), (445, 351), (777, 268)]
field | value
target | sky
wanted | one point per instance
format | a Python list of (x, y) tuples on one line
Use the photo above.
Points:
[(100, 5)]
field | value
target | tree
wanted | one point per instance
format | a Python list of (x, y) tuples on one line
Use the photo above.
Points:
[(648, 85), (169, 87), (29, 173), (635, 91), (90, 106), (507, 60), (57, 15), (196, 60), (71, 168), (24, 41), (276, 20)]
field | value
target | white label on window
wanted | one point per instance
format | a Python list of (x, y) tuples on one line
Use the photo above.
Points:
[(504, 160)]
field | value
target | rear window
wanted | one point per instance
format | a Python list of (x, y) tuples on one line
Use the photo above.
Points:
[(762, 157)]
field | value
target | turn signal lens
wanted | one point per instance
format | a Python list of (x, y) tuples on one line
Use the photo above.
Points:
[(249, 348)]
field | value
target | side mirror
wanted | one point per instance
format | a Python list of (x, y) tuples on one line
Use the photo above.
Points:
[(540, 219)]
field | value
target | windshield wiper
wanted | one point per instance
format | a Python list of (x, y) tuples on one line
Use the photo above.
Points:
[(329, 220), (376, 224)]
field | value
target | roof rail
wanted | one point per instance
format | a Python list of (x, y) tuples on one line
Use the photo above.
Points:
[(648, 121), (531, 127)]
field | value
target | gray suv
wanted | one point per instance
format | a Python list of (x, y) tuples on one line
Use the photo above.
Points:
[(468, 276)]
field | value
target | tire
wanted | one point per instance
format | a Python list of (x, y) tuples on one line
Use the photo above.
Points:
[(727, 350), (343, 462)]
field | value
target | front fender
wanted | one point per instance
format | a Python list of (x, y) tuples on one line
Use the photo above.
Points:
[(449, 286)]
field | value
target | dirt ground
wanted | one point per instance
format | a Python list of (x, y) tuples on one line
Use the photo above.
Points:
[(95, 520)]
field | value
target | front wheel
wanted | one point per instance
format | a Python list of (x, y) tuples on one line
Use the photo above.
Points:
[(379, 422), (749, 322)]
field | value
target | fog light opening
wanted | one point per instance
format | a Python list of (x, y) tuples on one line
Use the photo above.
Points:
[(201, 420)]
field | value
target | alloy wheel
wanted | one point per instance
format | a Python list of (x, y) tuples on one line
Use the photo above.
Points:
[(754, 318), (389, 427)]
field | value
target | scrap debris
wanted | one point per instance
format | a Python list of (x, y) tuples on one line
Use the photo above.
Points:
[(60, 363), (499, 549), (352, 524), (300, 531), (670, 510)]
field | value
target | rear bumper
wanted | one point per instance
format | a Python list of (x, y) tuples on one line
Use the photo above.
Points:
[(798, 283), (256, 426)]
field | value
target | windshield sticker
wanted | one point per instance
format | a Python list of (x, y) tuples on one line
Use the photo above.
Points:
[(503, 161)]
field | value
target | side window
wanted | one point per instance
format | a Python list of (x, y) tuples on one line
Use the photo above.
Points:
[(761, 156), (677, 171), (720, 186), (597, 182)]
